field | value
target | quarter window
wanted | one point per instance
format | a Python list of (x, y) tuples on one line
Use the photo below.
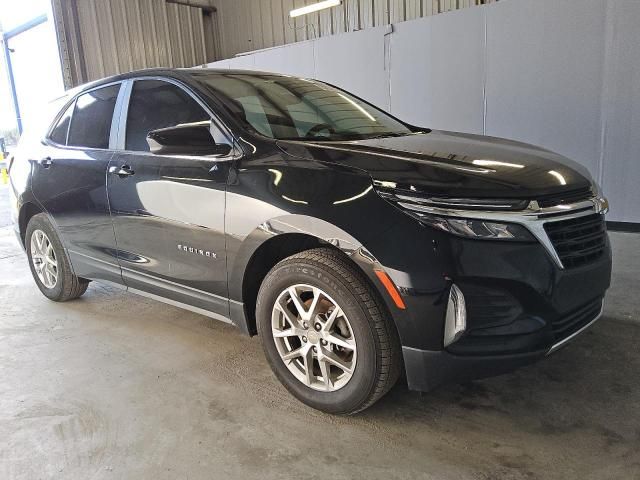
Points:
[(91, 121), (59, 133), (156, 104)]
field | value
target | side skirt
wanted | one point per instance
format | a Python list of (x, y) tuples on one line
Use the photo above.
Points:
[(184, 306)]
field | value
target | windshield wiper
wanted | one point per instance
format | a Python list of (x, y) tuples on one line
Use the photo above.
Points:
[(388, 135)]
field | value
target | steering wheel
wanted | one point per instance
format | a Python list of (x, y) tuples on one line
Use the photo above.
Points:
[(313, 131)]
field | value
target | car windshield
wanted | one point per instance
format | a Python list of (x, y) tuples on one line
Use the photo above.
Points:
[(289, 108)]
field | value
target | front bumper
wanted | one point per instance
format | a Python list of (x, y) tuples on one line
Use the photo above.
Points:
[(520, 308), (427, 369), (524, 299)]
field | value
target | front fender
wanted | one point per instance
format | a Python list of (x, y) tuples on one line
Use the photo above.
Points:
[(309, 226), (285, 224), (270, 195)]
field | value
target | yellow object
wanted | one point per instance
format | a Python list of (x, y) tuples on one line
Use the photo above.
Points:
[(5, 176)]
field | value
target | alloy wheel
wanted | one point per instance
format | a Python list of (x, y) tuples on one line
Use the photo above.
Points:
[(44, 259), (314, 337)]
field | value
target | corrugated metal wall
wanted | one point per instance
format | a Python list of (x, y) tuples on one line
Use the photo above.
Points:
[(247, 25), (98, 38)]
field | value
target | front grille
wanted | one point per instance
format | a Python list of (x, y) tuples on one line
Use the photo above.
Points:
[(565, 198), (573, 322), (578, 241)]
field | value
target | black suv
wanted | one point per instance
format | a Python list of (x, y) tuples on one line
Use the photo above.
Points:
[(356, 245)]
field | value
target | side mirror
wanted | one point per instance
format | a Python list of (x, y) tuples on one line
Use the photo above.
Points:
[(193, 139)]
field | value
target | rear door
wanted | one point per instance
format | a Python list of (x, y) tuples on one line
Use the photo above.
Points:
[(69, 180), (168, 211)]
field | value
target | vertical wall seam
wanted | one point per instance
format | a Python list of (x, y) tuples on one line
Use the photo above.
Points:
[(485, 57), (315, 59), (387, 54), (609, 34)]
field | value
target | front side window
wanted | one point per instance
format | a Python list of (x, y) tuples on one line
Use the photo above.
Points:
[(59, 132), (157, 105), (91, 120), (298, 109)]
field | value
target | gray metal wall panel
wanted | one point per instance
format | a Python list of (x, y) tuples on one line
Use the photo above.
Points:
[(116, 36)]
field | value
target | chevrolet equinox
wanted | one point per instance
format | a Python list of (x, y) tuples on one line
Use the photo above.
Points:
[(358, 247)]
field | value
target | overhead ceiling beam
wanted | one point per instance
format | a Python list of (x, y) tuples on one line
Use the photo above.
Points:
[(203, 4)]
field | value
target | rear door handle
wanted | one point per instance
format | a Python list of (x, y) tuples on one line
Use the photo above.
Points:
[(45, 162), (123, 171)]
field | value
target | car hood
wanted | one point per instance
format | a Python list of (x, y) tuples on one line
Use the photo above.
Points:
[(453, 164)]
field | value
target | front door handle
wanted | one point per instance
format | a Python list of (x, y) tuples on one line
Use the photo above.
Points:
[(45, 162), (123, 171)]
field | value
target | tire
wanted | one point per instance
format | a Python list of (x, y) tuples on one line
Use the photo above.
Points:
[(366, 342), (66, 286)]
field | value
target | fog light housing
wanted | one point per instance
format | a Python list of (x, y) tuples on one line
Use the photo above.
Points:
[(456, 320)]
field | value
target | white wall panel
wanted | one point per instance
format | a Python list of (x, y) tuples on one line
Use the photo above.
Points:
[(434, 72), (410, 72), (356, 62), (544, 75), (457, 69), (243, 62), (297, 60), (621, 115)]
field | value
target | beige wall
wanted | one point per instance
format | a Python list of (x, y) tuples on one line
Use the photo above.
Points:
[(98, 38)]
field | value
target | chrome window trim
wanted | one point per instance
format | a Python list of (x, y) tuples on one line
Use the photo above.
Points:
[(533, 217), (564, 341)]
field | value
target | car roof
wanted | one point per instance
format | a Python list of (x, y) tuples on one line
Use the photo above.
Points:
[(164, 72)]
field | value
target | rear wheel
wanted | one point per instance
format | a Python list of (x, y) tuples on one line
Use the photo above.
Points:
[(326, 333), (49, 263)]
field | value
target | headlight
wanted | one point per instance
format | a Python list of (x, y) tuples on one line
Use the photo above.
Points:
[(445, 215), (482, 229)]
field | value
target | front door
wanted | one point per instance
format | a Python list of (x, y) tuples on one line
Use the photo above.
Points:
[(168, 210), (69, 181)]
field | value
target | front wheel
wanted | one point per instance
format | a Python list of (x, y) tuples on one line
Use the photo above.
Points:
[(49, 263), (326, 333)]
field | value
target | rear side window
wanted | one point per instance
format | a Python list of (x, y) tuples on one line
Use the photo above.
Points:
[(59, 132), (91, 121), (156, 104)]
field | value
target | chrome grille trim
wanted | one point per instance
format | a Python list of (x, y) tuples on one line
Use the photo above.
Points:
[(566, 340), (533, 217)]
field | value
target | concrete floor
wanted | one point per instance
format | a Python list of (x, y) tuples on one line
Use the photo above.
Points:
[(117, 386), (4, 205)]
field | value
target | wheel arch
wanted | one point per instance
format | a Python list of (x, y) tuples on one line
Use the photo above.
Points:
[(27, 211), (278, 239)]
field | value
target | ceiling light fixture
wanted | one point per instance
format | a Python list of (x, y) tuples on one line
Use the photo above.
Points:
[(314, 8)]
